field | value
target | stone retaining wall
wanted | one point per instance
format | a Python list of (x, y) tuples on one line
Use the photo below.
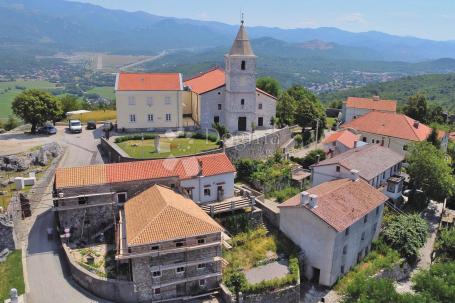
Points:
[(290, 294), (109, 289), (6, 233)]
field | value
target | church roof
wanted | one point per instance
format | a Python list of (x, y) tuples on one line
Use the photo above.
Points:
[(241, 46)]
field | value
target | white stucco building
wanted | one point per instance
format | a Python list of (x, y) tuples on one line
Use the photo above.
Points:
[(377, 165), (230, 96), (340, 142), (150, 101), (394, 131), (354, 107), (334, 224)]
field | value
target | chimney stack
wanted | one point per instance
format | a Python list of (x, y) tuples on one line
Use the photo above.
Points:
[(304, 197), (313, 201), (354, 174), (416, 124)]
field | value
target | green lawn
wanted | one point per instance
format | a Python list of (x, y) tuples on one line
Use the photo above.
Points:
[(104, 91), (8, 92), (169, 147), (11, 275)]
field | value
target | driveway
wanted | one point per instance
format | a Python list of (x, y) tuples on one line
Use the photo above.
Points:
[(45, 269)]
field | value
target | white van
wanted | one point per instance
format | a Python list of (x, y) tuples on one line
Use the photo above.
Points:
[(75, 126)]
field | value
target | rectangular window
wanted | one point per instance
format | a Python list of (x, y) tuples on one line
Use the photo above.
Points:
[(364, 139), (201, 241), (363, 236), (156, 274), (346, 232), (179, 244), (167, 100), (342, 269), (131, 100), (155, 247), (149, 101), (168, 117), (242, 102), (201, 266), (345, 249), (219, 106), (372, 141), (122, 197), (377, 211), (82, 200), (132, 118), (338, 169), (180, 270), (243, 65), (216, 119), (206, 191), (260, 121), (260, 106), (365, 219), (202, 282), (157, 291), (150, 117), (383, 175)]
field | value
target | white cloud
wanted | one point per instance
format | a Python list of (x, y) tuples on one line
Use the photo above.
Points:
[(354, 18)]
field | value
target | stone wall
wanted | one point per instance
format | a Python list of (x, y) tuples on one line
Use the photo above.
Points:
[(109, 289), (6, 234), (290, 294), (260, 148)]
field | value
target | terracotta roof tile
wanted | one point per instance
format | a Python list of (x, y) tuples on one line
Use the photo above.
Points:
[(148, 81), (159, 214), (342, 202), (182, 168), (390, 124), (370, 160), (345, 137), (366, 103)]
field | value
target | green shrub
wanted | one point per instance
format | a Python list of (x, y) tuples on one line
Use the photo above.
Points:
[(445, 245), (298, 139), (311, 158), (146, 136), (437, 282), (284, 194)]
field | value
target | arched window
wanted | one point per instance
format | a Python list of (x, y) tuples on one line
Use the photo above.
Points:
[(243, 64)]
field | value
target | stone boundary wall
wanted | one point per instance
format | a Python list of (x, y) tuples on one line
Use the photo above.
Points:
[(290, 294), (7, 239), (109, 289)]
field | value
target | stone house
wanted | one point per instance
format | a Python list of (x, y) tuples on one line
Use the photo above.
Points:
[(334, 225), (172, 246), (354, 107), (394, 131), (86, 198), (377, 165), (341, 142)]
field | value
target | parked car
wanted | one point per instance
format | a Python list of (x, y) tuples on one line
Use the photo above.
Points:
[(91, 125), (75, 126), (47, 130)]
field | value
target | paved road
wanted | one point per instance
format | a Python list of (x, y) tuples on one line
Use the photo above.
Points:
[(46, 273)]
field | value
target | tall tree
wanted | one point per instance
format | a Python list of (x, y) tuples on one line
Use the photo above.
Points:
[(70, 103), (433, 138), (269, 85), (430, 171), (285, 109), (435, 114), (417, 108), (36, 107)]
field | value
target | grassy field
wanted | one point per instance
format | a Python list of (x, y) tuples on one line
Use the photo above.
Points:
[(8, 92), (169, 147), (104, 91), (98, 115), (11, 275)]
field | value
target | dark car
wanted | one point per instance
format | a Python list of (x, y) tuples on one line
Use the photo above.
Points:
[(91, 125), (47, 130)]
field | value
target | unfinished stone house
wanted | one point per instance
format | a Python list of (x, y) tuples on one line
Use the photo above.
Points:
[(172, 246), (86, 198)]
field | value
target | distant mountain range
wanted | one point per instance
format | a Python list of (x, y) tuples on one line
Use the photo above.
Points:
[(48, 26)]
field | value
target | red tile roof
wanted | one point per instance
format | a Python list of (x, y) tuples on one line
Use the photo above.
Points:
[(210, 80), (391, 125), (182, 168), (342, 202), (160, 214), (207, 81), (366, 103), (345, 137), (148, 81)]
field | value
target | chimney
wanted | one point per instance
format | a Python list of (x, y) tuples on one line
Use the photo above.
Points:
[(354, 174), (313, 201), (376, 98), (416, 124), (304, 197)]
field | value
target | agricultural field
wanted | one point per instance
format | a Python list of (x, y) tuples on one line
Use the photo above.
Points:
[(103, 91), (9, 90), (169, 147), (97, 115)]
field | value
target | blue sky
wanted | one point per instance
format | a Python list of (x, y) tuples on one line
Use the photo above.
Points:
[(434, 19)]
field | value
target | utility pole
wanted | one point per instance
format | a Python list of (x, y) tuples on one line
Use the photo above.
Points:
[(316, 138)]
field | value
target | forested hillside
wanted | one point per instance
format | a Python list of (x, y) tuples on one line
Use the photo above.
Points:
[(439, 89)]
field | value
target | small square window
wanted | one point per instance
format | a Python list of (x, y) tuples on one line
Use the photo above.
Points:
[(131, 100), (201, 241), (201, 266), (206, 191), (202, 282), (219, 106), (156, 274), (338, 169), (180, 270), (157, 291), (260, 106), (121, 197), (167, 100)]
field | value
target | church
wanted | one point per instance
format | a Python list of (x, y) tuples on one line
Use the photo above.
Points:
[(229, 97)]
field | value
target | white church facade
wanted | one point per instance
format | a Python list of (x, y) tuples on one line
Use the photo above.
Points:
[(229, 97)]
